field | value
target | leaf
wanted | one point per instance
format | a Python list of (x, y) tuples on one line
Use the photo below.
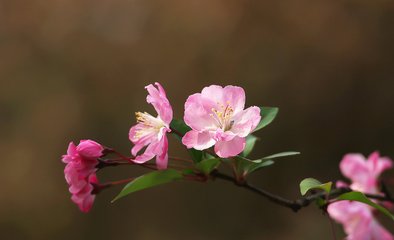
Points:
[(245, 166), (282, 154), (360, 197), (311, 183), (149, 180), (180, 126), (277, 155), (188, 172), (208, 165), (268, 115), (256, 166), (250, 142)]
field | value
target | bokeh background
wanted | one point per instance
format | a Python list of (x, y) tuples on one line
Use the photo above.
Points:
[(75, 69)]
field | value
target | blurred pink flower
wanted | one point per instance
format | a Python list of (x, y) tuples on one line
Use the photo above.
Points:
[(217, 117), (358, 218), (151, 131), (358, 221), (364, 173), (80, 171)]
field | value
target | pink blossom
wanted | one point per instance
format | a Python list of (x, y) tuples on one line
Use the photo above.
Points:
[(217, 117), (358, 218), (150, 132), (364, 173), (80, 171), (358, 221)]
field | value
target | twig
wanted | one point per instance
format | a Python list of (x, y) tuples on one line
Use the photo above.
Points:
[(298, 204)]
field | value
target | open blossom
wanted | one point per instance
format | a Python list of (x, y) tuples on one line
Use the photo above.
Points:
[(217, 117), (357, 218), (150, 131), (364, 173), (80, 171), (358, 221)]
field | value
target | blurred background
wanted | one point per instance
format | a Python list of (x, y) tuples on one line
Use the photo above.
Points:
[(72, 69)]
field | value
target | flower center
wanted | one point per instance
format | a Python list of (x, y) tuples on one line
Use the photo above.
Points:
[(223, 116), (149, 124)]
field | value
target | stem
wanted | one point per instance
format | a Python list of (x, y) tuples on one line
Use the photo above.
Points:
[(334, 235), (298, 204), (97, 188)]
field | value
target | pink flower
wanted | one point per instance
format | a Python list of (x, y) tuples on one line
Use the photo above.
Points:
[(217, 117), (364, 173), (358, 218), (358, 221), (151, 131), (80, 171)]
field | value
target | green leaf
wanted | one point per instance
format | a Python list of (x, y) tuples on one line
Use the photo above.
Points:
[(277, 155), (360, 197), (246, 166), (180, 126), (311, 183), (268, 115), (149, 180), (256, 166), (282, 154), (188, 172), (195, 154), (208, 165), (250, 142)]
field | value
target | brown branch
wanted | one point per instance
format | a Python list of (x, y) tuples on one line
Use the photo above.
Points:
[(298, 204)]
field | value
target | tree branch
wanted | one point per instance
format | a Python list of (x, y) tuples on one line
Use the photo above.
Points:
[(298, 204)]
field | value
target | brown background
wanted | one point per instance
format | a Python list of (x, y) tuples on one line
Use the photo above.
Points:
[(72, 69)]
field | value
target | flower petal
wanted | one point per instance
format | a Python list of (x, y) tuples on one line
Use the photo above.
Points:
[(90, 149), (148, 154), (246, 121), (197, 140), (214, 93), (158, 98), (235, 96), (140, 141), (230, 148), (354, 167), (198, 110), (162, 154), (378, 164)]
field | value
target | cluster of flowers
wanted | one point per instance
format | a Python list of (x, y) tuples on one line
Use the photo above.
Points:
[(80, 171), (358, 218), (216, 116)]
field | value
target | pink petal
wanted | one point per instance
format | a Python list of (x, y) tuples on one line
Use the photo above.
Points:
[(220, 135), (140, 141), (230, 148), (157, 97), (197, 140), (232, 95), (354, 167), (198, 110), (379, 232), (235, 96), (341, 184), (246, 121), (378, 164), (90, 149), (84, 199), (354, 216), (214, 93), (162, 154), (148, 154), (71, 152)]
